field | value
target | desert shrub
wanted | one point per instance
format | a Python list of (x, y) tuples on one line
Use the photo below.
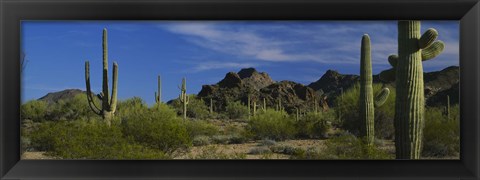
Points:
[(267, 142), (351, 147), (286, 149), (259, 150), (201, 140), (220, 139), (235, 110), (158, 128), (88, 140), (75, 108), (346, 146), (213, 152), (196, 107), (441, 136), (34, 110), (237, 135), (237, 139), (272, 125), (312, 125), (201, 127), (348, 107)]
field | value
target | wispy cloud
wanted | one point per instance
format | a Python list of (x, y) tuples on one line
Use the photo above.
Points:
[(327, 43), (243, 42), (211, 65)]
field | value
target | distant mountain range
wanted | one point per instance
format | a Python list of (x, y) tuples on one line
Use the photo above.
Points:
[(258, 85)]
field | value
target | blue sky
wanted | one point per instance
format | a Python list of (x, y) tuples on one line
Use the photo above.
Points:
[(204, 51)]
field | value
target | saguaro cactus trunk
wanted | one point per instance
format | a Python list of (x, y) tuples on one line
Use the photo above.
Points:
[(109, 104), (184, 99), (407, 71), (158, 94), (366, 91), (367, 104), (211, 106)]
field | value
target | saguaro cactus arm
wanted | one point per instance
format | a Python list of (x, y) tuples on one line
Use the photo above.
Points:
[(113, 100), (427, 38), (382, 97), (433, 50), (91, 101), (393, 60)]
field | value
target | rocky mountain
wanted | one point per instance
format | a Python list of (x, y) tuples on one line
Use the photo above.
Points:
[(443, 80), (258, 85), (332, 82), (54, 97)]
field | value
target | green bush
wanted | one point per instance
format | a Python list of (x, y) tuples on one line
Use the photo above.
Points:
[(131, 105), (158, 128), (312, 125), (441, 136), (348, 107), (75, 108), (196, 107), (88, 140), (272, 125), (201, 128), (34, 110), (235, 110)]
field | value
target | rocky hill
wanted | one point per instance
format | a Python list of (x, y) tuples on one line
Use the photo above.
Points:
[(54, 97), (332, 83), (259, 85)]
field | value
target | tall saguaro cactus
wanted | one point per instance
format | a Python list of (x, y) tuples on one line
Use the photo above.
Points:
[(109, 104), (184, 99), (407, 71), (366, 91), (367, 103), (158, 94)]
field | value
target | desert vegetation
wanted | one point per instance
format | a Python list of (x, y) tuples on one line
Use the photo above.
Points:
[(249, 116)]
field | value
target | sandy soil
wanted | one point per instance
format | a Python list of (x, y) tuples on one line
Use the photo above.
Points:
[(35, 155), (235, 150)]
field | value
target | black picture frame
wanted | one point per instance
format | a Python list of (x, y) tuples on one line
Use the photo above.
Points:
[(12, 12)]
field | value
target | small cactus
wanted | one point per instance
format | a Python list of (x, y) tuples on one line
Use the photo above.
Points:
[(248, 106), (184, 99), (264, 105), (447, 108), (109, 104), (297, 114), (254, 108), (279, 105)]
